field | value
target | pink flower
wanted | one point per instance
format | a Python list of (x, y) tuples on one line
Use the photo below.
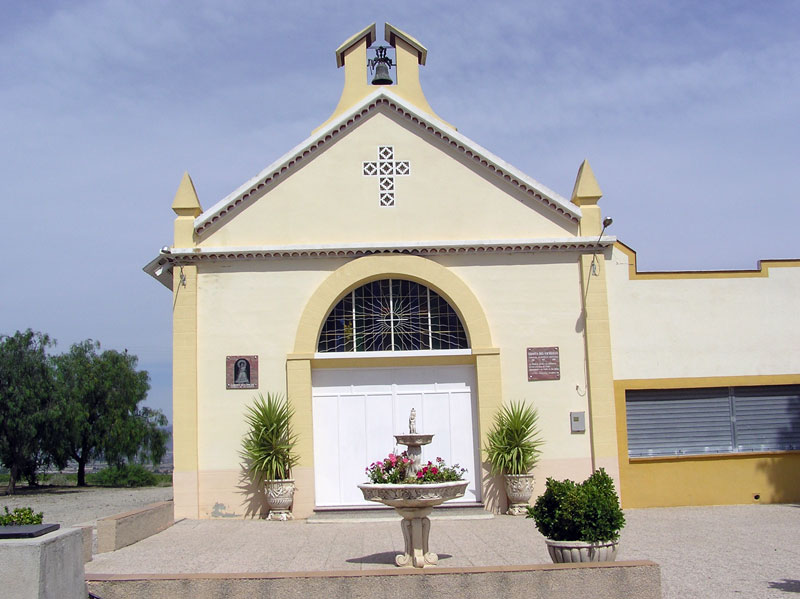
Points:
[(434, 470), (406, 460)]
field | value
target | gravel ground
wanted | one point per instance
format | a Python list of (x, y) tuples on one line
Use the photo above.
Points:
[(72, 505)]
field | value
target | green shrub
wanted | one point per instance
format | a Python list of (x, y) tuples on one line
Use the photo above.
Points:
[(587, 511), (20, 516), (58, 479), (512, 444), (268, 448), (129, 475)]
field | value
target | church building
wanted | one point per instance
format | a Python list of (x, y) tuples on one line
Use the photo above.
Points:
[(388, 262)]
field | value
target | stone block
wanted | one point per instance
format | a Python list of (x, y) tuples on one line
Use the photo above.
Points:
[(121, 530), (46, 567)]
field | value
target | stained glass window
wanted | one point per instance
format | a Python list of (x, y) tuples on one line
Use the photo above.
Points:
[(392, 315)]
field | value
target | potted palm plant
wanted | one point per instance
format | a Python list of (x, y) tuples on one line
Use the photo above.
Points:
[(268, 449), (512, 449), (580, 521)]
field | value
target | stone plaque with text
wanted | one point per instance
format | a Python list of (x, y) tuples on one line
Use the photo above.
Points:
[(543, 364)]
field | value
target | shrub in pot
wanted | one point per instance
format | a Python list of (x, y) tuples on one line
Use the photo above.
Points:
[(580, 521), (512, 449), (268, 448)]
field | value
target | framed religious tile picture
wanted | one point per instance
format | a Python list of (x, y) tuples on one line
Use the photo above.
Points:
[(241, 372)]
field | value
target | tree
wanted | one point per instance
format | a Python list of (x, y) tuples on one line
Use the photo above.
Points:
[(26, 406), (99, 396)]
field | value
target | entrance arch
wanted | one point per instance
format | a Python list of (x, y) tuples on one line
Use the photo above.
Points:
[(370, 268), (482, 359)]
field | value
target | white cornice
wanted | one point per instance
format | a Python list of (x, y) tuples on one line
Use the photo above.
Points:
[(433, 126), (161, 266)]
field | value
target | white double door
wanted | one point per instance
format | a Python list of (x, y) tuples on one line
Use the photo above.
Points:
[(358, 411)]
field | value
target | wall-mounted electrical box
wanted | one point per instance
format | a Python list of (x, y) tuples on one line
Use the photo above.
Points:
[(577, 422)]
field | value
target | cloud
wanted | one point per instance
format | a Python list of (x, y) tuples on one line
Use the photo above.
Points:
[(686, 110)]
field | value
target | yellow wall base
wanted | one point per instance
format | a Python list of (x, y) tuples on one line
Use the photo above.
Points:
[(184, 493), (231, 494), (717, 480)]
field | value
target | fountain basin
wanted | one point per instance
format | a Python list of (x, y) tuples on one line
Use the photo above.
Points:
[(413, 439), (414, 495)]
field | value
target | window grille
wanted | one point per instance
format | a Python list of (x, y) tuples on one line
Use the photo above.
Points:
[(392, 315)]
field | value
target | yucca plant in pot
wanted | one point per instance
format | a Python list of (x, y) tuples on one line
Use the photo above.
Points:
[(580, 521), (512, 449), (268, 449)]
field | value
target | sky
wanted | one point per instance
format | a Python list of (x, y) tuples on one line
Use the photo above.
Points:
[(687, 111)]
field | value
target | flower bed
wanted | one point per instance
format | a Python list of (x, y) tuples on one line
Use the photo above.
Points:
[(396, 469)]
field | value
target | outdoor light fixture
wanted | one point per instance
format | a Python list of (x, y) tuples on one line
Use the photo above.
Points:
[(607, 222)]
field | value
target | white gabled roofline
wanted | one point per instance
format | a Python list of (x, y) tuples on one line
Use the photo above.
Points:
[(440, 129)]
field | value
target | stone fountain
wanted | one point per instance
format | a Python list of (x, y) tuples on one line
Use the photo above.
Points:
[(414, 502)]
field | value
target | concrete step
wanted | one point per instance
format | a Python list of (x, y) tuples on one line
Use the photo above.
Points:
[(384, 514)]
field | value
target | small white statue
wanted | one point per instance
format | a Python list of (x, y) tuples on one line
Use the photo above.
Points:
[(412, 422)]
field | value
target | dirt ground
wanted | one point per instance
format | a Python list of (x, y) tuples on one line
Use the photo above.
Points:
[(73, 505)]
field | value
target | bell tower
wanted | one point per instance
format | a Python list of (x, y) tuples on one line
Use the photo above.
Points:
[(409, 55)]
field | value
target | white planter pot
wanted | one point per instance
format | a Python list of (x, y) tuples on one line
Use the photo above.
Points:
[(519, 488), (280, 494), (569, 552)]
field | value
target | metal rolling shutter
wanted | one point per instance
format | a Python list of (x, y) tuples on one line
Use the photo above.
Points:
[(767, 418), (668, 422)]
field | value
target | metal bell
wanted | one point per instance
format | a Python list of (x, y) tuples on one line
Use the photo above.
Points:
[(382, 75)]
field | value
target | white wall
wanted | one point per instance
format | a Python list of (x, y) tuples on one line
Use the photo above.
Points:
[(703, 327)]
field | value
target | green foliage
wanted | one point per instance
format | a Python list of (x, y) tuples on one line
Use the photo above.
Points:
[(20, 517), (268, 447), (58, 480), (440, 472), (512, 444), (129, 475), (27, 416), (99, 396), (587, 511), (79, 405)]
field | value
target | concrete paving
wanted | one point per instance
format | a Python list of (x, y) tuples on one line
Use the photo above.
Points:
[(725, 551)]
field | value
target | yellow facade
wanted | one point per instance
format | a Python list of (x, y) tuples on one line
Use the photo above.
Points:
[(738, 478), (259, 272)]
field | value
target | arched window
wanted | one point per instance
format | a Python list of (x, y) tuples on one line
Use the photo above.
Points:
[(392, 315)]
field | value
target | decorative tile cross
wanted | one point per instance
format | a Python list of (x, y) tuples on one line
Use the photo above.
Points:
[(386, 168)]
